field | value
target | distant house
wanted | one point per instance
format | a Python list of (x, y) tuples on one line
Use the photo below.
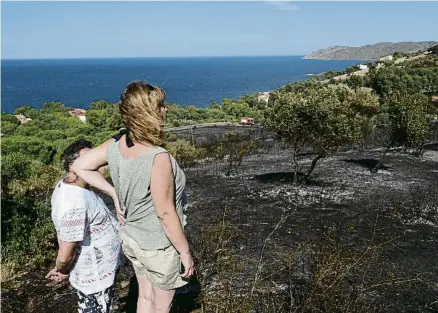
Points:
[(363, 67), (22, 118), (379, 65), (81, 114), (387, 58), (435, 100), (263, 96)]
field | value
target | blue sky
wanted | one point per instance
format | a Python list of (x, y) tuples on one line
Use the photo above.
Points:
[(161, 29)]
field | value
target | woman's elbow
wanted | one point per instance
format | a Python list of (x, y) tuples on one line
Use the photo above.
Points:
[(166, 215), (75, 168), (79, 165)]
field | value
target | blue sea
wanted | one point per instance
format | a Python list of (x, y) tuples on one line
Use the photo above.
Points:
[(188, 81)]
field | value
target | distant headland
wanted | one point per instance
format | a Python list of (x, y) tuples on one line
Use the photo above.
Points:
[(369, 52)]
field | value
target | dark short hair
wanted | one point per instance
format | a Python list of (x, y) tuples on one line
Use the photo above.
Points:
[(71, 153)]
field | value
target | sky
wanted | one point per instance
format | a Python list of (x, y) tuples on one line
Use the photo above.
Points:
[(44, 30)]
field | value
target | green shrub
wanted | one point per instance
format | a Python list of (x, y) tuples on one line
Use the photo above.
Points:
[(433, 50), (398, 55), (169, 137), (37, 149), (28, 235), (27, 111), (186, 154), (54, 107), (409, 120)]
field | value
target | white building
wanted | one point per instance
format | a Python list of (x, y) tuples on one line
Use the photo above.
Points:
[(81, 114), (263, 96), (363, 66), (387, 58), (23, 119)]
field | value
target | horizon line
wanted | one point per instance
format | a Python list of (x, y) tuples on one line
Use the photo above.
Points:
[(153, 57)]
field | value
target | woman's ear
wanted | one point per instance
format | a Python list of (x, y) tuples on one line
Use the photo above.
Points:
[(70, 169)]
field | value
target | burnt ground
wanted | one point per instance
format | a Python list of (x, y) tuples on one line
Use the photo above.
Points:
[(387, 209)]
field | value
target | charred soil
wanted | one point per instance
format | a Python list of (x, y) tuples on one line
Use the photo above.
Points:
[(393, 211)]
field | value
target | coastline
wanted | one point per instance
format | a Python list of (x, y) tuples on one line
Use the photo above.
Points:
[(187, 81)]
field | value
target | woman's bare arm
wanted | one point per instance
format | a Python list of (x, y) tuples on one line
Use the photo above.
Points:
[(162, 192), (66, 254), (86, 167)]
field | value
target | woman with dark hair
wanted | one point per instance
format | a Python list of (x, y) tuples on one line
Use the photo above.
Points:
[(149, 196)]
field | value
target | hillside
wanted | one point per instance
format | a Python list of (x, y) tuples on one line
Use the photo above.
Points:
[(368, 52)]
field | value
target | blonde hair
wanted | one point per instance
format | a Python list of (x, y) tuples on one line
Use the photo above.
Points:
[(140, 107)]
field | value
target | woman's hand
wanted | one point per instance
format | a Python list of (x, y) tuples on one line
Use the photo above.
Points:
[(119, 212), (56, 276), (189, 265)]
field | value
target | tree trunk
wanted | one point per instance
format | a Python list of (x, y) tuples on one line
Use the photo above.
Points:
[(379, 164), (313, 165), (296, 167), (192, 136)]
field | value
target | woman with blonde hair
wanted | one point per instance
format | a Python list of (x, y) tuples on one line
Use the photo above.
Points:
[(149, 196)]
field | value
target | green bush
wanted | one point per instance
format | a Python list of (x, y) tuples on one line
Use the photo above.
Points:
[(233, 148), (54, 107), (27, 111), (35, 148), (433, 50), (52, 135), (9, 124), (394, 79), (28, 235), (186, 154), (398, 55), (104, 116), (169, 137), (230, 110), (409, 120)]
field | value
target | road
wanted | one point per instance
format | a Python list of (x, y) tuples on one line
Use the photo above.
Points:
[(204, 125)]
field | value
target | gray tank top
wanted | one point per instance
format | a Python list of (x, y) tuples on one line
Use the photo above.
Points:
[(131, 179)]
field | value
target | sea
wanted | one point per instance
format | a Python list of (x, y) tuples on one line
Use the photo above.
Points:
[(194, 81)]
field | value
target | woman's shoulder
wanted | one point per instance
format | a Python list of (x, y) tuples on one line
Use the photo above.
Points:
[(159, 150), (160, 153), (163, 155), (110, 146)]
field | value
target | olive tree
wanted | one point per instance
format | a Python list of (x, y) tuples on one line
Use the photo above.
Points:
[(318, 118), (409, 122), (367, 107)]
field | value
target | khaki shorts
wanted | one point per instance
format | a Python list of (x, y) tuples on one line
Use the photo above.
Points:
[(159, 266)]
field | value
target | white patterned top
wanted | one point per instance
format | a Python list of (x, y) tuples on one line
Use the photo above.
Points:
[(81, 216)]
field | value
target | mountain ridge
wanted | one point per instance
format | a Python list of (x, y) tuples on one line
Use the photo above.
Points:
[(369, 52)]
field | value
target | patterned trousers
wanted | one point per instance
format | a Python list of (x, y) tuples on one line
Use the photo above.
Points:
[(99, 302)]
